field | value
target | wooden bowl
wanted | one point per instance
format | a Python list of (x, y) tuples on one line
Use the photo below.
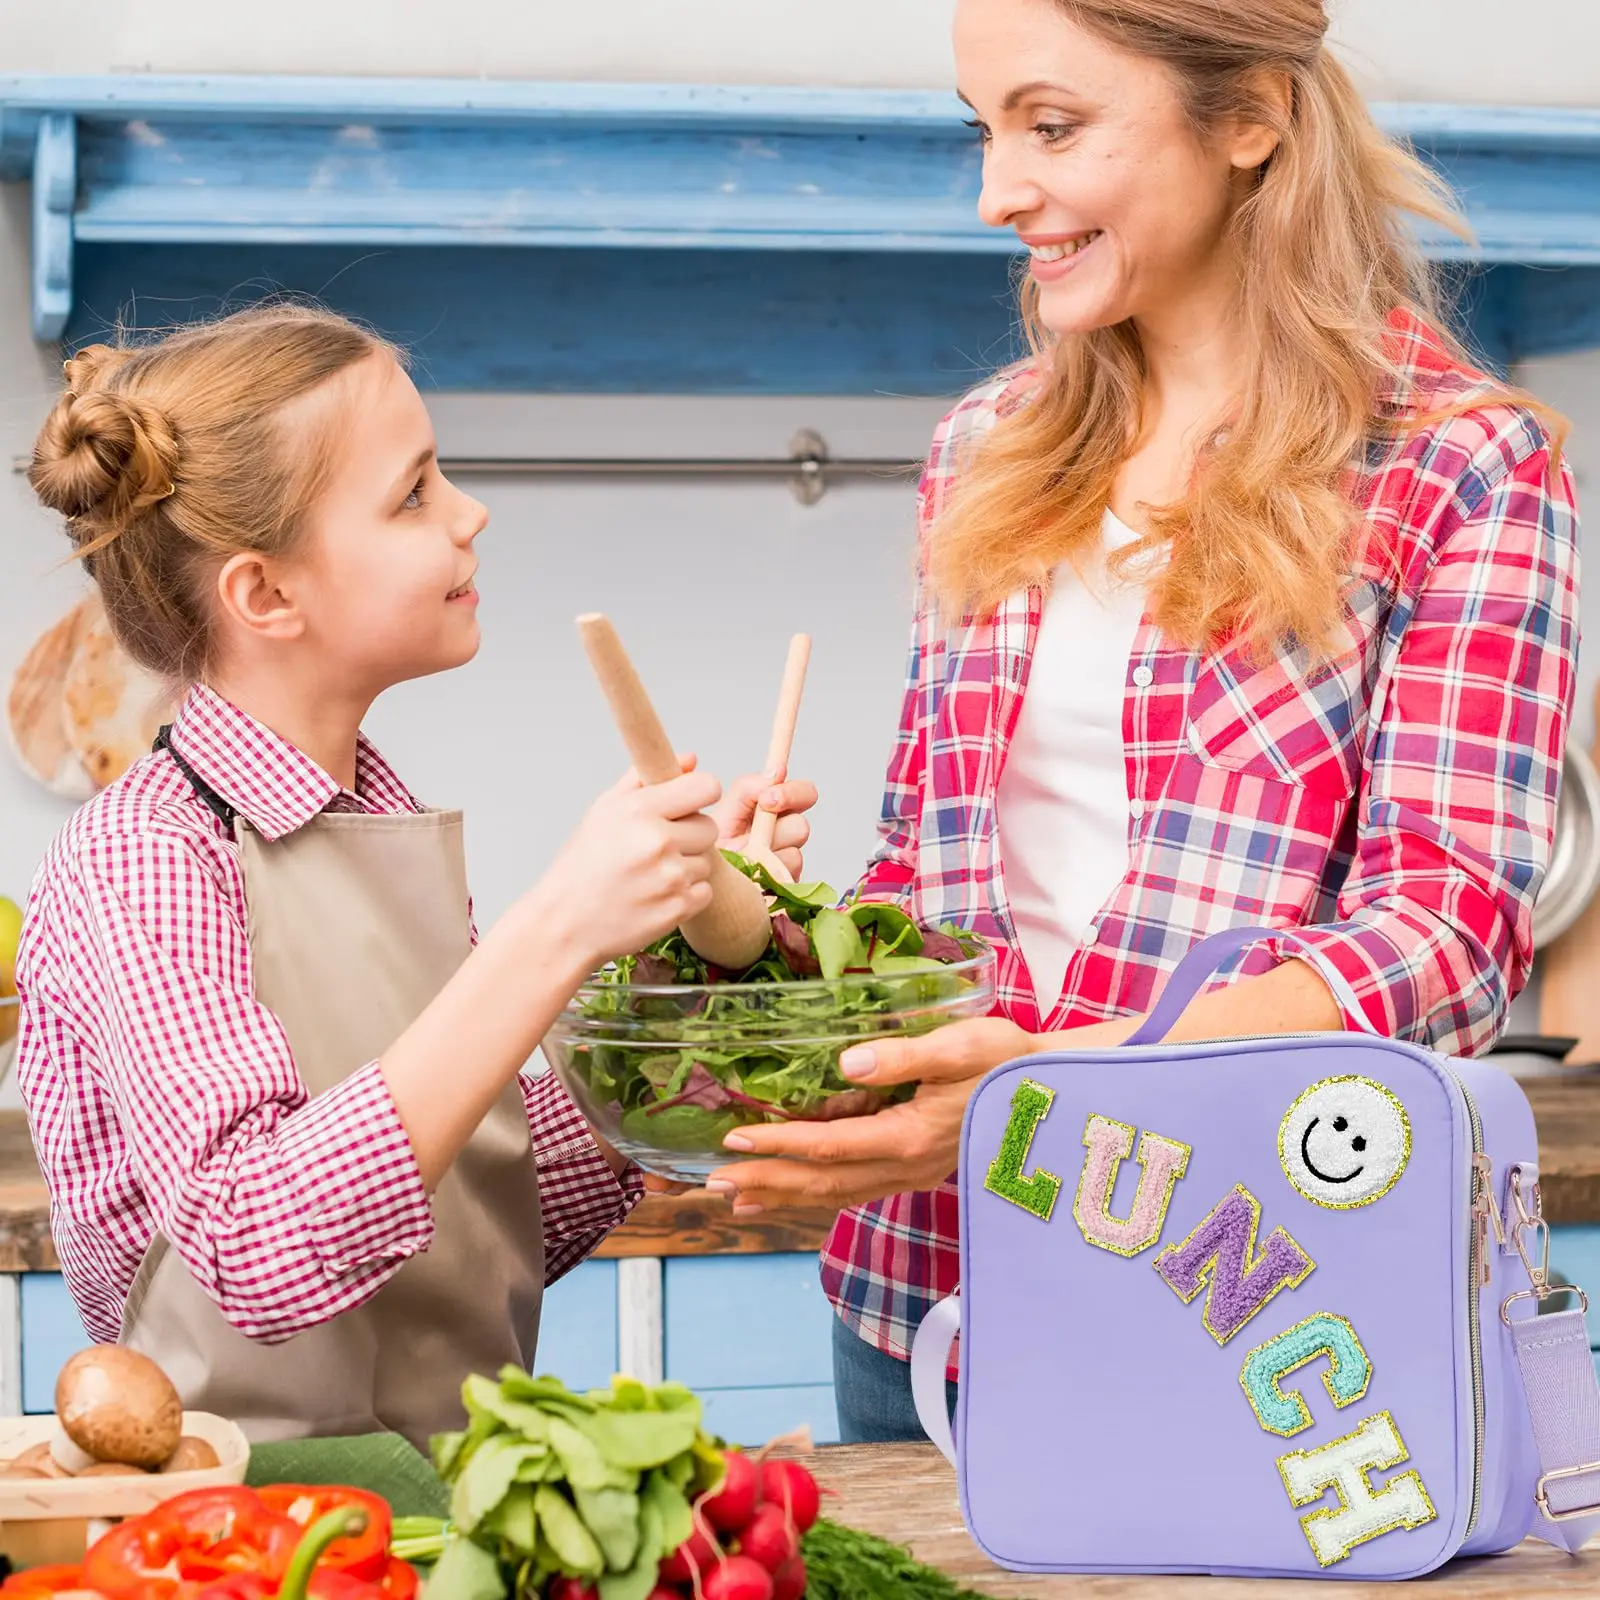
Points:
[(49, 1520)]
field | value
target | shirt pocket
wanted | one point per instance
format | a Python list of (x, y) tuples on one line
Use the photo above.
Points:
[(1291, 717)]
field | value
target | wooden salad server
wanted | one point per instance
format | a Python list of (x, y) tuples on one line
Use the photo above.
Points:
[(735, 929), (759, 845)]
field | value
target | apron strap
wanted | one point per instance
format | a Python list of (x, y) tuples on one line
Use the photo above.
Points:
[(224, 812)]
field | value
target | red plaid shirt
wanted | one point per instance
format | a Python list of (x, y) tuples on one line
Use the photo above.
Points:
[(163, 1098), (1397, 806)]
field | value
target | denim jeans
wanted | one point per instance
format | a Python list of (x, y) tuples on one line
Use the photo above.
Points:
[(872, 1392)]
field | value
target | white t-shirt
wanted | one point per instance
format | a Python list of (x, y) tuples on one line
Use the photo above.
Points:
[(1063, 801)]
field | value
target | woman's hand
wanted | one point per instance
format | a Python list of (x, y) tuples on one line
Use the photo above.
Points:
[(913, 1145), (737, 811)]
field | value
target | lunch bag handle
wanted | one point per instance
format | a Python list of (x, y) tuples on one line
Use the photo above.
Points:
[(930, 1356), (1206, 959)]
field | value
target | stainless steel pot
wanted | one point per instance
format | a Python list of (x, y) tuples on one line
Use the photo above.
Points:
[(1574, 874)]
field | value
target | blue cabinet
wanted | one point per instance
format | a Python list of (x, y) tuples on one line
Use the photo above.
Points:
[(578, 1327), (51, 1332), (1575, 1254), (577, 1332), (752, 1335)]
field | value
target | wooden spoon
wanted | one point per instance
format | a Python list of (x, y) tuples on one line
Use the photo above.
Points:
[(759, 845), (735, 929)]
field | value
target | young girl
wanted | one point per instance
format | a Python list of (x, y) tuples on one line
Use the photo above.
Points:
[(276, 1092)]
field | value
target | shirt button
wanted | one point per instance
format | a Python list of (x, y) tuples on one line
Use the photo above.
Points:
[(1143, 677), (1092, 932), (1136, 809)]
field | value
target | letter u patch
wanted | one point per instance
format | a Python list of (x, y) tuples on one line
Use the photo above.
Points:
[(1162, 1163)]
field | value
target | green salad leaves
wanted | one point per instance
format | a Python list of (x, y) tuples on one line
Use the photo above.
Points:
[(545, 1481), (677, 1071)]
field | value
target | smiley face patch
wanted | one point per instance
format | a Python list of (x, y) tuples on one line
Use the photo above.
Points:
[(1344, 1142)]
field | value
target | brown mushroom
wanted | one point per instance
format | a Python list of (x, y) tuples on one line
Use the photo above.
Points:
[(12, 1470), (192, 1455), (113, 1469), (119, 1406)]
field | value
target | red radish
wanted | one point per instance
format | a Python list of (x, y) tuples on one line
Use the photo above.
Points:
[(738, 1578), (789, 1581), (665, 1591), (788, 1484), (734, 1503), (573, 1589), (770, 1537), (696, 1554)]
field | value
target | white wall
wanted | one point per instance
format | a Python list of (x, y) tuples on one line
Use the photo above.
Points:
[(34, 589), (1414, 49)]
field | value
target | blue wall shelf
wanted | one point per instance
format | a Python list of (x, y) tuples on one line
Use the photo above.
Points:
[(613, 237)]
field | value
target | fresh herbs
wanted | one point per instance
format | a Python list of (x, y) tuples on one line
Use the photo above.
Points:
[(845, 1564), (594, 1486), (677, 1071)]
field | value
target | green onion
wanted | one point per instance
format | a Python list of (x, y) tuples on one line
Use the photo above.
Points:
[(419, 1539)]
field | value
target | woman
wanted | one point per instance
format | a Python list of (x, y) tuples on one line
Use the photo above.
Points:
[(1244, 600), (276, 1093)]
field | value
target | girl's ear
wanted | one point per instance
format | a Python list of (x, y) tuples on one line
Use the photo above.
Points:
[(253, 600), (1250, 143)]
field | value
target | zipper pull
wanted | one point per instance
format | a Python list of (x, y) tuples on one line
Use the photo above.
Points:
[(1491, 1201), (1485, 1214)]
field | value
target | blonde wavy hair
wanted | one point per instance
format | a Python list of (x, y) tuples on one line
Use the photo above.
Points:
[(1260, 547)]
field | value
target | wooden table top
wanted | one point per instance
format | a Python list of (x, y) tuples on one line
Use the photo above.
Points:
[(907, 1493), (1568, 1113)]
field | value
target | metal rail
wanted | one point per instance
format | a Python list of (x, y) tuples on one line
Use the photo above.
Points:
[(808, 469)]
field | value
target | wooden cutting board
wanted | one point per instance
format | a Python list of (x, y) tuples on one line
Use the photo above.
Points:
[(1569, 972)]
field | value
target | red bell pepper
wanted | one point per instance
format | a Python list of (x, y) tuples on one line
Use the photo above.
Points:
[(305, 1575), (38, 1583), (364, 1556), (189, 1541), (399, 1582)]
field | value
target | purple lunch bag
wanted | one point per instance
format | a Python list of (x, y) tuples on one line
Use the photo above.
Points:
[(1259, 1306)]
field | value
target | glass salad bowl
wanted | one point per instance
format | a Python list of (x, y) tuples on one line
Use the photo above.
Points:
[(664, 1070)]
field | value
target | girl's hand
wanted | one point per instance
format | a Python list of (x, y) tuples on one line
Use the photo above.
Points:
[(789, 799), (910, 1146), (654, 1183), (637, 865)]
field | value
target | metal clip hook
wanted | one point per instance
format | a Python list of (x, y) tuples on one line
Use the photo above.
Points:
[(1530, 1219)]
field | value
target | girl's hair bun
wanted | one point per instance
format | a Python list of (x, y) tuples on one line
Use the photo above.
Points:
[(103, 456), (93, 366)]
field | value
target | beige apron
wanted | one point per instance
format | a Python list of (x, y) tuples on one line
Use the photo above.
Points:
[(355, 924)]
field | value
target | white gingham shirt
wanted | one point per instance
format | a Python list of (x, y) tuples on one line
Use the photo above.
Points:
[(163, 1098)]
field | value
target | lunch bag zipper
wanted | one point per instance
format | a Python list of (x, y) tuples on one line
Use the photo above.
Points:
[(1485, 1214)]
